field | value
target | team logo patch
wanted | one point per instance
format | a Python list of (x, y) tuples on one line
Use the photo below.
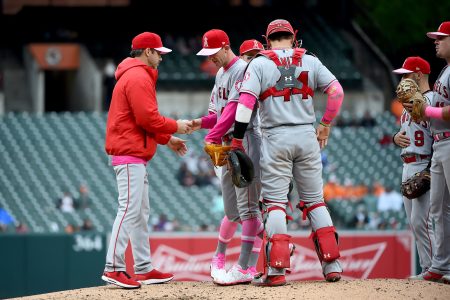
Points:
[(238, 85), (205, 42), (246, 76)]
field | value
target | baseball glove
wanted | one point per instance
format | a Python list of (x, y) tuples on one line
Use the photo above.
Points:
[(408, 92), (218, 153), (417, 185), (418, 110), (241, 168)]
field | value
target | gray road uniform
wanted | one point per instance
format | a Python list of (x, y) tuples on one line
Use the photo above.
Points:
[(440, 177), (416, 158), (289, 145), (239, 204)]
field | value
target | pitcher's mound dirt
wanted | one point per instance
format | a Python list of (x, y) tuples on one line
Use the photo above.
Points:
[(379, 289)]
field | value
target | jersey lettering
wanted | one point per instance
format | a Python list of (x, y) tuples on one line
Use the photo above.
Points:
[(419, 138), (440, 89), (223, 93), (440, 104)]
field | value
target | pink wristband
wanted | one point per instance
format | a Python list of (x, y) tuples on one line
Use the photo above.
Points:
[(433, 112)]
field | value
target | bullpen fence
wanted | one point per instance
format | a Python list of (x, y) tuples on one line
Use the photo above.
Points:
[(34, 264)]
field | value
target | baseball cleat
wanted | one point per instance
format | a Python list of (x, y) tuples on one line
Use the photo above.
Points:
[(417, 277), (154, 276), (252, 270), (435, 277), (446, 279), (121, 279), (333, 277), (236, 275), (218, 266), (274, 280)]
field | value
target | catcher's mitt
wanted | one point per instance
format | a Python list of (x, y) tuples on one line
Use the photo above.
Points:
[(218, 153), (408, 92), (417, 185), (241, 168)]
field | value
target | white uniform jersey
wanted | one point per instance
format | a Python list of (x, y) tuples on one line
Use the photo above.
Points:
[(212, 102), (419, 134), (275, 111), (226, 88), (441, 98)]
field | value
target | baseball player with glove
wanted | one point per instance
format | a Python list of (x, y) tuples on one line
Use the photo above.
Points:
[(415, 140), (240, 204), (283, 81), (440, 163)]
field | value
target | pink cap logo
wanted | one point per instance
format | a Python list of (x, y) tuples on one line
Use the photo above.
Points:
[(205, 42)]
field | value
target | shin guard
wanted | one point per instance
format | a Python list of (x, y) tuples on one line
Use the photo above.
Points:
[(279, 251), (326, 243)]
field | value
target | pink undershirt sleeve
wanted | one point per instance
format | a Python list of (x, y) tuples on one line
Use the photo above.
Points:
[(209, 121), (334, 102), (434, 112), (223, 124), (248, 100)]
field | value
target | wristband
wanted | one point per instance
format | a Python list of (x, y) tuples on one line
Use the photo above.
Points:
[(324, 124)]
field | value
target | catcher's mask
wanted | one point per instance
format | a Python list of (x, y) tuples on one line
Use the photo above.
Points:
[(241, 167)]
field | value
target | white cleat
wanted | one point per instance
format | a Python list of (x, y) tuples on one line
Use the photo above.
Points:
[(236, 275), (217, 267)]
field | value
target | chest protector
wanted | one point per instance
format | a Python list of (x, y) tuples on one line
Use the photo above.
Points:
[(288, 84)]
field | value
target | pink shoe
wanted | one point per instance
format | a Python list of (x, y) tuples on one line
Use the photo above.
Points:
[(122, 279), (154, 276), (218, 266), (254, 272)]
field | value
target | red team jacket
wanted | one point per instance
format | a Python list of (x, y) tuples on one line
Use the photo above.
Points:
[(135, 126)]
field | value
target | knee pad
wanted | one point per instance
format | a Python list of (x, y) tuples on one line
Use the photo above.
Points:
[(280, 256), (326, 243)]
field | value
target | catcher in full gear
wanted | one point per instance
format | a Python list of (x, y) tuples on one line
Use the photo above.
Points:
[(416, 141), (283, 80)]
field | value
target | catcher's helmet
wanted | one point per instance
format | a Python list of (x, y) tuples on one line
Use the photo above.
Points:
[(279, 25)]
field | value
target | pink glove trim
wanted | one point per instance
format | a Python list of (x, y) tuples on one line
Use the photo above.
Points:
[(334, 102), (434, 112)]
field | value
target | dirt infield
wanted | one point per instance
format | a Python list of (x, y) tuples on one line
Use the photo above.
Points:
[(345, 289)]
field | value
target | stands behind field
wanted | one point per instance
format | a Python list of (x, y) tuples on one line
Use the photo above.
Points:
[(43, 156)]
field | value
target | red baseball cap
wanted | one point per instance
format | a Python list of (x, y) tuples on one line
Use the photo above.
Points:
[(249, 45), (213, 41), (414, 64), (443, 30), (279, 25), (149, 40)]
